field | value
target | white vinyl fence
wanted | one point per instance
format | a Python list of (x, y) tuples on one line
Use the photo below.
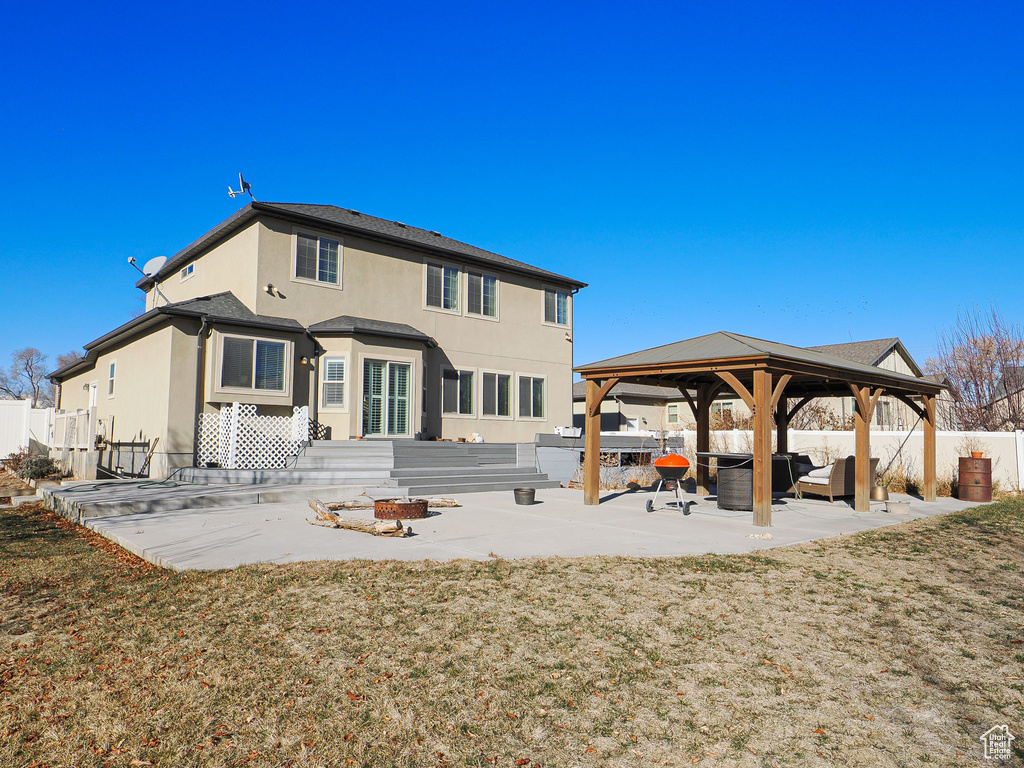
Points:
[(1006, 449), (23, 427), (237, 438)]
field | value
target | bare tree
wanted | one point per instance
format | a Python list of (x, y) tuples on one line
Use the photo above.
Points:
[(26, 377), (982, 360)]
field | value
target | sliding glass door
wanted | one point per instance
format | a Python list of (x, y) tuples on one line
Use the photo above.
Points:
[(386, 388)]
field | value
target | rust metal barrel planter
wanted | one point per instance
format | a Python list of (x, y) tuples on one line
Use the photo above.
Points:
[(400, 509), (975, 479)]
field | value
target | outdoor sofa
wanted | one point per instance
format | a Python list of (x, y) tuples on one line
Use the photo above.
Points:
[(835, 479)]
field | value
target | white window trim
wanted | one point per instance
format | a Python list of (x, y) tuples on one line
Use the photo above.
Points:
[(187, 272), (345, 385), (310, 232), (669, 414), (110, 395), (474, 399), (568, 307), (546, 398), (513, 405), (497, 298), (218, 370), (462, 289)]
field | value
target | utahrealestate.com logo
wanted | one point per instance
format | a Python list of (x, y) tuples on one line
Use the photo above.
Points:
[(997, 741)]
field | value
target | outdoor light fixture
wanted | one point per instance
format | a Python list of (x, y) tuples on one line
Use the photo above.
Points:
[(269, 288), (304, 361)]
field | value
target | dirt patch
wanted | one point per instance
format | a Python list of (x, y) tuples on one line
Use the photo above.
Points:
[(11, 482), (886, 648)]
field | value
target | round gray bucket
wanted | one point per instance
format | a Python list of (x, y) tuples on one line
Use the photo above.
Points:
[(525, 495)]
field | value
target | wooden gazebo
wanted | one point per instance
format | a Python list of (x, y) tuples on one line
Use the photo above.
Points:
[(775, 381)]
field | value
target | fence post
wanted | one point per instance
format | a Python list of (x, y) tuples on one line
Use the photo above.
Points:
[(233, 436), (1019, 444)]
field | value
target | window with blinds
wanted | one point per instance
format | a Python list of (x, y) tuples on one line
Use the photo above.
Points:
[(333, 383), (556, 307), (317, 259), (252, 364), (483, 295), (443, 287)]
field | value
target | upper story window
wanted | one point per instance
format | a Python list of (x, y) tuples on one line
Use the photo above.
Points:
[(110, 379), (187, 272), (483, 295), (317, 259), (248, 363), (556, 307), (443, 287), (673, 414)]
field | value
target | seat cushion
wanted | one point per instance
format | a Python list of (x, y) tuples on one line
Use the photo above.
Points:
[(814, 480), (821, 471)]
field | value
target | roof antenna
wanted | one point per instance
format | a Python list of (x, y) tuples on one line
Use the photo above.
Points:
[(243, 187)]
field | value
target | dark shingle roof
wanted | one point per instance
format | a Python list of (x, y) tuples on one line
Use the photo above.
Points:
[(867, 352), (345, 325), (354, 222), (624, 388), (225, 307), (724, 345), (220, 307)]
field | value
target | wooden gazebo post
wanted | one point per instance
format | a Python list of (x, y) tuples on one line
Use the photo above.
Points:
[(929, 448), (592, 440), (866, 402), (762, 491)]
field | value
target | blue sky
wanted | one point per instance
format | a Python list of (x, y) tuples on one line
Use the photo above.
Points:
[(807, 173)]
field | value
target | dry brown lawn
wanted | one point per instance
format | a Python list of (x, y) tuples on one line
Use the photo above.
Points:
[(890, 648)]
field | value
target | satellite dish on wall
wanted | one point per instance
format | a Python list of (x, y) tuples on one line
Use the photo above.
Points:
[(154, 265)]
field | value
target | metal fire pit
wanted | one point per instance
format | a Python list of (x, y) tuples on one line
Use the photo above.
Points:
[(400, 509)]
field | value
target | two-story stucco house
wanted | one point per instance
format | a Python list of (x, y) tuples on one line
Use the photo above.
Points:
[(382, 329)]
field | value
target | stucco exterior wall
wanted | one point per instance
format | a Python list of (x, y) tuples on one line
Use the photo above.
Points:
[(154, 382), (229, 266)]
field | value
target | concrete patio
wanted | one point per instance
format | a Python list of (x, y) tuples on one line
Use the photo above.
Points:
[(489, 525)]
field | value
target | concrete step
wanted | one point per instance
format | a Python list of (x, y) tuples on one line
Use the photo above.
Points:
[(494, 469), (332, 476), (448, 489), (343, 462), (128, 498), (339, 451), (408, 462)]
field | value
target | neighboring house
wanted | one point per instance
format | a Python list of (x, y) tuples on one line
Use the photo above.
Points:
[(381, 329), (890, 413), (636, 406), (631, 408)]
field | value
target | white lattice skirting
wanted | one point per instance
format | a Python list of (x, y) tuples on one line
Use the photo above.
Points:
[(237, 438)]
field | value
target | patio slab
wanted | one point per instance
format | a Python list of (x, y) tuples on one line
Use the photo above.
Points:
[(489, 525)]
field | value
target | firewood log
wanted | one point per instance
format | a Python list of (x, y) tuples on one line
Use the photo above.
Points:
[(328, 519)]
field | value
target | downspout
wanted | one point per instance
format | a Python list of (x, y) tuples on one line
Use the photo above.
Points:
[(200, 389), (314, 409)]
